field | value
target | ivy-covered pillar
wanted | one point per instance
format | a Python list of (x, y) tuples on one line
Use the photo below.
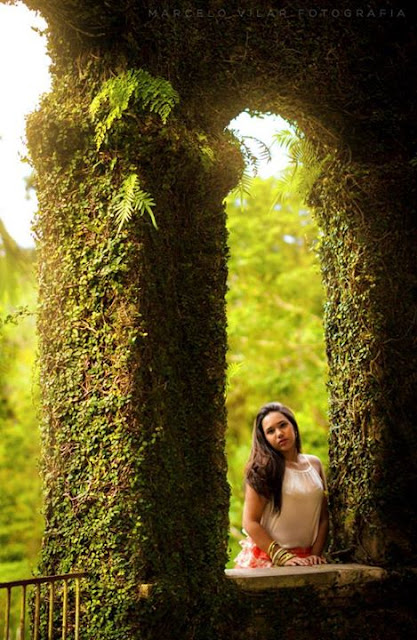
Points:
[(132, 320), (369, 266), (132, 360)]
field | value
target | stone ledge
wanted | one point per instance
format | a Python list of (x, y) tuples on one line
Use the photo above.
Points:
[(326, 575), (325, 602)]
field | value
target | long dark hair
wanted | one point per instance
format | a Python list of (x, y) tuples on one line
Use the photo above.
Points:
[(265, 469)]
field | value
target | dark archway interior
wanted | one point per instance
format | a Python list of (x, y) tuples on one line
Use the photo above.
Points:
[(133, 324)]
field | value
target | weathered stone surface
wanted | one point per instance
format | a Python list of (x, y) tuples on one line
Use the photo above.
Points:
[(328, 602), (290, 577)]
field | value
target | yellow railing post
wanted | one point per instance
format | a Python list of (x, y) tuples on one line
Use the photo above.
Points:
[(22, 613), (37, 612), (7, 614), (77, 609), (65, 611), (51, 610)]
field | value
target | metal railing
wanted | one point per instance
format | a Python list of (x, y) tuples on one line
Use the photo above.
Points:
[(39, 599)]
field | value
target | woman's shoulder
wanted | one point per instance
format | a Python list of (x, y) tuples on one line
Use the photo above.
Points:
[(311, 458), (314, 461)]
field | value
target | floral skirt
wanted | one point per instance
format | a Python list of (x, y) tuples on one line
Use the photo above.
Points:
[(252, 557)]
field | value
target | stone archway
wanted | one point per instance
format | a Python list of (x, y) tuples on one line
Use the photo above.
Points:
[(133, 323)]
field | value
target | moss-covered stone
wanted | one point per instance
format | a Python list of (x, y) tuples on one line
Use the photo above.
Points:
[(133, 324)]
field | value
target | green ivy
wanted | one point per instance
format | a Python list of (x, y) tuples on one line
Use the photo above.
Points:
[(133, 325)]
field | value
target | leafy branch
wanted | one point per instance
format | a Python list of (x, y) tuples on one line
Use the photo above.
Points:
[(14, 316)]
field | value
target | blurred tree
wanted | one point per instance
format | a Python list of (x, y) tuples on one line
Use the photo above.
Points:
[(16, 265), (20, 495)]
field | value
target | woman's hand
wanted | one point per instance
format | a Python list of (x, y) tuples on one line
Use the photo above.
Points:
[(296, 561), (316, 560)]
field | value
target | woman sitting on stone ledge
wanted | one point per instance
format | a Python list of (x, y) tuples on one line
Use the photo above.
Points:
[(285, 514)]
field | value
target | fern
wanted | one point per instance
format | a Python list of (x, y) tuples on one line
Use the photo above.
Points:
[(303, 170), (285, 138), (243, 188), (250, 158), (130, 199), (251, 161), (232, 370), (264, 150), (152, 93)]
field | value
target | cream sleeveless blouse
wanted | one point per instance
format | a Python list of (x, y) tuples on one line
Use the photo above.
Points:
[(296, 525)]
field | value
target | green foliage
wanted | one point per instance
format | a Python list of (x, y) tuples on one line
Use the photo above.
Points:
[(232, 370), (133, 331), (276, 337), (139, 89), (20, 495), (253, 159), (251, 162), (15, 263), (250, 157), (13, 316), (131, 198), (123, 428), (151, 93), (243, 188), (366, 465), (303, 169)]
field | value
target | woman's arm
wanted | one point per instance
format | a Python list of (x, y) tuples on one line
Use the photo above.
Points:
[(323, 530), (252, 514)]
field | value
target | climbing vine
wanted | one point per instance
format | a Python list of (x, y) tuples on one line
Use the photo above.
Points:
[(132, 324)]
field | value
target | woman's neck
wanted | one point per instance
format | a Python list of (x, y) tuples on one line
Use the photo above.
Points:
[(291, 456)]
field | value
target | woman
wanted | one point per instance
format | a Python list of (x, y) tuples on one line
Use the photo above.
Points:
[(285, 512)]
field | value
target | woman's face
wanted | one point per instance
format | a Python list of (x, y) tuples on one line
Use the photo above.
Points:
[(280, 433)]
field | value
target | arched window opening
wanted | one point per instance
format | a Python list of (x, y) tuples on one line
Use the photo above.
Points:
[(274, 302)]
